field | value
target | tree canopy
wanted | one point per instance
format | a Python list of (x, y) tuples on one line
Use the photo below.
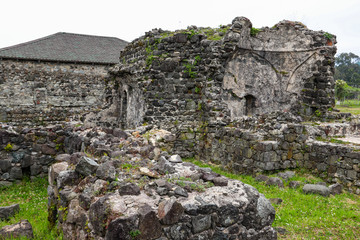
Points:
[(347, 68)]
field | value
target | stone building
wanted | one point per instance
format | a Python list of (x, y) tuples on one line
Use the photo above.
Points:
[(55, 78), (221, 75)]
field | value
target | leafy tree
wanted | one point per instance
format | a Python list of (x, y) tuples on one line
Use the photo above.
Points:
[(347, 67), (343, 90), (340, 89)]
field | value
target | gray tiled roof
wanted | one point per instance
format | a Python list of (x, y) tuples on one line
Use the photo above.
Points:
[(68, 47)]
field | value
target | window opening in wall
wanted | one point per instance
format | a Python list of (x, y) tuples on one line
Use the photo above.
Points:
[(249, 105)]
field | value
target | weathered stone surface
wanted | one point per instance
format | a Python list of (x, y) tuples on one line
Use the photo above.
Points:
[(47, 150), (68, 177), (106, 171), (261, 178), (275, 181), (316, 189), (120, 133), (170, 211), (209, 176), (294, 184), (150, 173), (220, 181), (16, 173), (75, 213), (5, 165), (175, 159), (286, 175), (98, 214), (9, 211), (149, 224), (85, 200), (229, 215), (200, 223), (180, 191), (180, 231), (335, 189), (129, 189), (21, 229), (55, 169), (86, 166), (163, 166), (63, 157), (5, 183), (120, 228)]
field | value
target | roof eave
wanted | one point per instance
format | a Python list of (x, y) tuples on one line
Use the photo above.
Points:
[(55, 60)]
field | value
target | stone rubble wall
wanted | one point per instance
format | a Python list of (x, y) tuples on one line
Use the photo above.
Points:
[(220, 75), (270, 144), (35, 93), (28, 152)]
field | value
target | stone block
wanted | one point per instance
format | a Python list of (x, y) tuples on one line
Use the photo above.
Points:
[(86, 166), (170, 212), (351, 174), (316, 189), (275, 181), (7, 212), (17, 230)]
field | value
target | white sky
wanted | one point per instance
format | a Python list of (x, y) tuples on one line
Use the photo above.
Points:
[(25, 20)]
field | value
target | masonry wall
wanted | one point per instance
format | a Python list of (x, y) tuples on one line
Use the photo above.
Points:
[(275, 143), (28, 152), (40, 92)]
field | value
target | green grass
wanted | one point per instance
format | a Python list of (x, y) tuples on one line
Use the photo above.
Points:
[(303, 216), (307, 216), (349, 106), (32, 198)]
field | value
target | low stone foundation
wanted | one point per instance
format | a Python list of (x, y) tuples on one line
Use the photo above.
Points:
[(276, 142)]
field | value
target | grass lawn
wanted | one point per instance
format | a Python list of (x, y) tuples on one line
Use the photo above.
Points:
[(349, 106), (308, 216), (32, 197), (303, 216)]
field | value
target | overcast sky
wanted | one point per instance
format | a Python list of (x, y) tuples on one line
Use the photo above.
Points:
[(25, 20)]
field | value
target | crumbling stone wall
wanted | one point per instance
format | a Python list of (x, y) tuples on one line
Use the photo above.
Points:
[(276, 142), (223, 74), (39, 92), (28, 152)]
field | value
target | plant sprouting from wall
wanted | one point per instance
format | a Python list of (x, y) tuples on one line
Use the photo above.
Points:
[(328, 36), (190, 66), (8, 147), (254, 31), (150, 51)]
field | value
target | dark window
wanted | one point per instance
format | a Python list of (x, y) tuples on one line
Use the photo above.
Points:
[(250, 105), (123, 108)]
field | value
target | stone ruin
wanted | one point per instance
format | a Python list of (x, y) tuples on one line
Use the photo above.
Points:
[(235, 96), (185, 76)]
